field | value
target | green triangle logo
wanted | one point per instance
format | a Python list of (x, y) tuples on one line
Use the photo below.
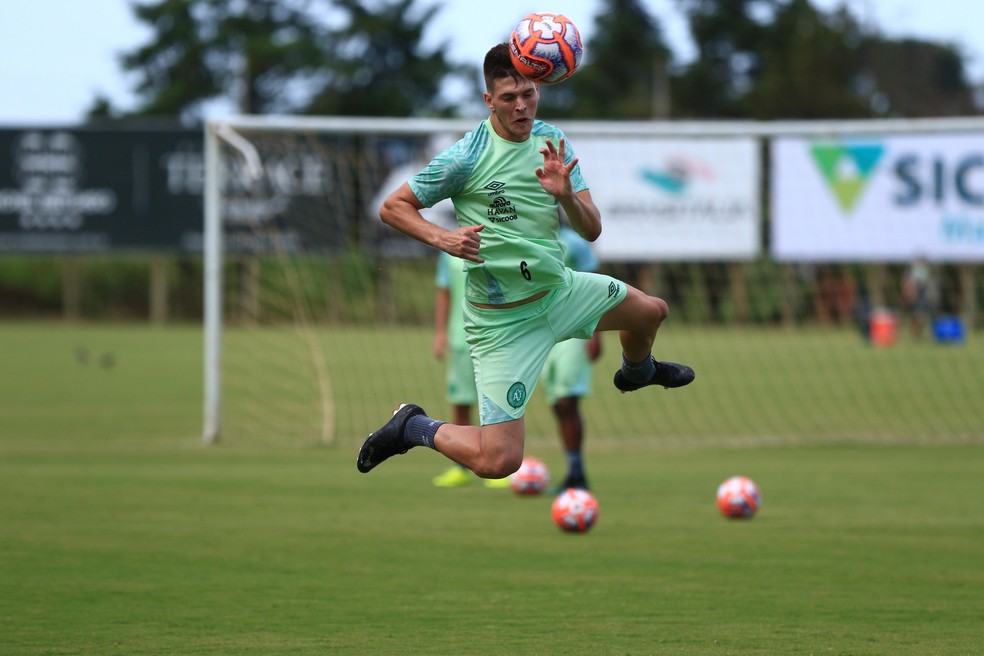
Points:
[(847, 169)]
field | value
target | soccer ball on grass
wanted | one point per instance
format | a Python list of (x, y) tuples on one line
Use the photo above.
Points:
[(531, 478), (545, 47), (574, 510), (738, 498)]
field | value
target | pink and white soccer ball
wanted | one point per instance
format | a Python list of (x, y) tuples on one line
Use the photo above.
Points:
[(531, 478), (574, 510), (738, 498)]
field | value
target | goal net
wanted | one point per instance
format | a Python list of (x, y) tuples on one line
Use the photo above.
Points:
[(320, 319)]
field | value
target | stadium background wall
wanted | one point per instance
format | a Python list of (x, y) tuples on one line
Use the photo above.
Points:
[(107, 224)]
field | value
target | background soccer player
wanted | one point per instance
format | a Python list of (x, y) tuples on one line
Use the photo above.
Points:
[(566, 376)]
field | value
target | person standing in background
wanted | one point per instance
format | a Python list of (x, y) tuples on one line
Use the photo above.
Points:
[(919, 295), (566, 376), (450, 346)]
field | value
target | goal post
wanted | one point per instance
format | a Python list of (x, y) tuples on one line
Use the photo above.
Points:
[(212, 278)]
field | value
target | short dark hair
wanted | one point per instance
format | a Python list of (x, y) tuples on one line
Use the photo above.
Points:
[(498, 65)]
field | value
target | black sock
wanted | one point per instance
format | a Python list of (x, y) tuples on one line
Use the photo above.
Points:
[(420, 430), (638, 372), (575, 464)]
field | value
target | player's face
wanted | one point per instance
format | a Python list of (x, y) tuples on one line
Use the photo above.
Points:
[(513, 103)]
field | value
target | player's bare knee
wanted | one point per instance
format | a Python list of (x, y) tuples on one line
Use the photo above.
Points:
[(660, 310), (500, 466), (655, 314)]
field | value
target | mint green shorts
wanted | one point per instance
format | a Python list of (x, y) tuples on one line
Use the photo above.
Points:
[(510, 346), (567, 371), (459, 378)]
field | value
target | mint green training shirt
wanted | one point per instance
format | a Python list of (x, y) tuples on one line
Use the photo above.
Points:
[(492, 182)]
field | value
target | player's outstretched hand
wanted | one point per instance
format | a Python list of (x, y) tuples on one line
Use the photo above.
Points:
[(554, 175)]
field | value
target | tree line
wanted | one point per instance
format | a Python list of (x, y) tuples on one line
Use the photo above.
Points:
[(755, 59)]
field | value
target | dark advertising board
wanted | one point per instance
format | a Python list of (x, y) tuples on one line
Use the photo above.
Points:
[(92, 190)]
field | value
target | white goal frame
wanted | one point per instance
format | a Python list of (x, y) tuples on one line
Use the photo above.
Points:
[(230, 130)]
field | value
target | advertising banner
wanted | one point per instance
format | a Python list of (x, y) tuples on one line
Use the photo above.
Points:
[(886, 198), (674, 199), (94, 190), (87, 190)]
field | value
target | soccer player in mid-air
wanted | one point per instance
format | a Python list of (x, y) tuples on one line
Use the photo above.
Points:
[(506, 179)]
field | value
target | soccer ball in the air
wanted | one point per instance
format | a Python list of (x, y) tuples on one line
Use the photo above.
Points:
[(738, 497), (545, 47), (532, 477), (575, 511)]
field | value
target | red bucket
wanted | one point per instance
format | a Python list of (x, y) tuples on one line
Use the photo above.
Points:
[(884, 327)]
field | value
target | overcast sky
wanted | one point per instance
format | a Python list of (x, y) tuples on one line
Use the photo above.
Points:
[(56, 55)]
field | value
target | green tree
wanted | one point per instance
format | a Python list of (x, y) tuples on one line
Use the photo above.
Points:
[(624, 72), (810, 66), (375, 65), (250, 53), (914, 78), (282, 56), (785, 59), (729, 35), (101, 109)]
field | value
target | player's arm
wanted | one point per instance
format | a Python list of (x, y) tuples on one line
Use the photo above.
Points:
[(583, 215), (401, 210), (555, 177)]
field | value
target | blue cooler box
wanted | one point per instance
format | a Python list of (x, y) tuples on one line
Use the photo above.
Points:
[(948, 330)]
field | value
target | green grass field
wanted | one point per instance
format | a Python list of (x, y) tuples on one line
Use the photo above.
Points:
[(120, 533)]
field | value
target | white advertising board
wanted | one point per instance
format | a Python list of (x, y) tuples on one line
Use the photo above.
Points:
[(887, 198), (674, 199)]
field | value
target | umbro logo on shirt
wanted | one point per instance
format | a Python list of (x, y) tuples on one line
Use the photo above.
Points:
[(495, 186)]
